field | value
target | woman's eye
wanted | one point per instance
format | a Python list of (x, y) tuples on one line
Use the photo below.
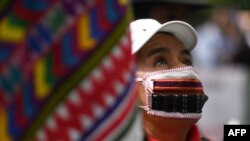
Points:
[(187, 62), (160, 62)]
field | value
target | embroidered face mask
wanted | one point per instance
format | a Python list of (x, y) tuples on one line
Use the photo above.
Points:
[(173, 93)]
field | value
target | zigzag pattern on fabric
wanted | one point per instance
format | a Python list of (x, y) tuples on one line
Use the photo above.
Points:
[(54, 43), (93, 101)]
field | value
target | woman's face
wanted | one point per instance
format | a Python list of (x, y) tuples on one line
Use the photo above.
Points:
[(162, 51)]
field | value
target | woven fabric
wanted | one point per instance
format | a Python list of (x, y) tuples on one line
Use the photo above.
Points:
[(61, 74)]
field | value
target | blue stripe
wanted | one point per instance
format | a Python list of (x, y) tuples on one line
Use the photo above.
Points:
[(112, 13), (109, 112), (29, 106), (36, 5), (44, 33), (4, 54), (68, 57), (94, 29), (34, 44), (13, 129)]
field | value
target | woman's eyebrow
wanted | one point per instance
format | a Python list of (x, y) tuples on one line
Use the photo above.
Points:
[(186, 52), (157, 50)]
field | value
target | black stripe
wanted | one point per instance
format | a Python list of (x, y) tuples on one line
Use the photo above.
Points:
[(179, 103)]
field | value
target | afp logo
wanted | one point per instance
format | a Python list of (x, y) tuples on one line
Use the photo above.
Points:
[(236, 132)]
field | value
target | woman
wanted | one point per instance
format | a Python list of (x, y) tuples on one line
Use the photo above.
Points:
[(170, 91)]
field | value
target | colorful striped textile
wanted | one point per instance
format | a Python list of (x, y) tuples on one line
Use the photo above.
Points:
[(66, 70)]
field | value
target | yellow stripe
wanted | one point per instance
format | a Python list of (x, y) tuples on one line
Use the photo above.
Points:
[(85, 41), (41, 87), (3, 126), (123, 2), (10, 33)]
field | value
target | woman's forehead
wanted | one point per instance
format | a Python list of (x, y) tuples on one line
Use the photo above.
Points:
[(162, 39)]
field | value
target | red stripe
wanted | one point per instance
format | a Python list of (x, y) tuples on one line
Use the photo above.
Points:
[(3, 100), (120, 119), (20, 118), (103, 21), (58, 68), (29, 15)]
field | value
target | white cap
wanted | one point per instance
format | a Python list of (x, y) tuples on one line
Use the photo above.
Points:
[(143, 29)]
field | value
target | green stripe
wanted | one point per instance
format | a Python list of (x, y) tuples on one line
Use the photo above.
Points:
[(80, 73), (50, 78), (14, 21), (57, 20)]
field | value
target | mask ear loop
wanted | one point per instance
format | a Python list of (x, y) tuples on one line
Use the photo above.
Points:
[(139, 79)]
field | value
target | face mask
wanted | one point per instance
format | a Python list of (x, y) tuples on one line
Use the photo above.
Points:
[(173, 93)]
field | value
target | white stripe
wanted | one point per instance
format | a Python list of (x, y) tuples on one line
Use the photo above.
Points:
[(87, 85), (97, 110), (125, 40), (74, 98), (51, 123), (107, 63), (117, 52), (109, 99), (74, 134), (97, 74), (85, 121), (118, 87), (62, 111), (40, 135)]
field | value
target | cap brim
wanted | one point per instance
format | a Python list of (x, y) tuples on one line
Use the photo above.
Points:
[(139, 44), (181, 30)]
